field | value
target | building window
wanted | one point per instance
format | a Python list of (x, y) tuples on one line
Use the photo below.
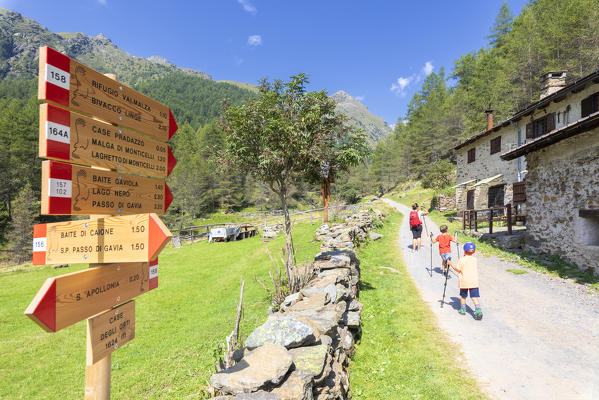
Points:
[(496, 196), (588, 227), (540, 126), (496, 145), (471, 155), (589, 105)]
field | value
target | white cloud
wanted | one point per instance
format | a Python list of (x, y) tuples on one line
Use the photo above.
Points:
[(401, 85), (102, 2), (255, 40), (248, 6), (428, 68)]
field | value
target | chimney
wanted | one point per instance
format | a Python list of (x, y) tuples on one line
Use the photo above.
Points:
[(489, 119), (551, 82)]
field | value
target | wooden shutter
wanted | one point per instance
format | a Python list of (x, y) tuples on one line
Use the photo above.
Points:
[(472, 155), (550, 122), (530, 134), (496, 145), (519, 190), (586, 106)]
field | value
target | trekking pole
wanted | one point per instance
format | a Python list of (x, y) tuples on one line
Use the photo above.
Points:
[(445, 286)]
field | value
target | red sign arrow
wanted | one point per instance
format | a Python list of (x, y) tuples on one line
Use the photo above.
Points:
[(131, 238), (67, 299), (72, 137), (68, 83)]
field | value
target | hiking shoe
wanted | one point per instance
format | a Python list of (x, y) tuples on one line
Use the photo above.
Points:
[(462, 311), (478, 314)]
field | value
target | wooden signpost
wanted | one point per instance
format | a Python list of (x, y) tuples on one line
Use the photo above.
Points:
[(132, 238), (67, 299), (70, 84), (110, 330), (72, 137), (69, 189), (112, 132)]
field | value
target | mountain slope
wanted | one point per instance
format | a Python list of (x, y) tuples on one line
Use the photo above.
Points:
[(21, 37), (374, 127)]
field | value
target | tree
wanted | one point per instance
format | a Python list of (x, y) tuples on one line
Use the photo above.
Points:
[(25, 211), (501, 27), (284, 137)]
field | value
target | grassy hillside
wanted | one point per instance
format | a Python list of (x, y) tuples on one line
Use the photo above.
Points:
[(178, 325)]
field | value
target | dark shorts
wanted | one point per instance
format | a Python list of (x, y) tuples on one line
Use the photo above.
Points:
[(416, 231), (473, 293)]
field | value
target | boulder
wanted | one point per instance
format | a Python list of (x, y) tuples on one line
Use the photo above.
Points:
[(372, 235), (330, 291), (286, 331), (352, 319), (315, 302), (354, 305), (265, 365), (310, 359), (298, 386), (291, 300)]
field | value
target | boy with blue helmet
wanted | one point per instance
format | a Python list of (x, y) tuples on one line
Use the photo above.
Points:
[(467, 269)]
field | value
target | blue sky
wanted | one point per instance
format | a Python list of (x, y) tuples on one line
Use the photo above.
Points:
[(378, 51)]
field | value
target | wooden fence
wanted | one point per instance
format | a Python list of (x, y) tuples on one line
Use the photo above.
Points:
[(268, 219), (471, 218)]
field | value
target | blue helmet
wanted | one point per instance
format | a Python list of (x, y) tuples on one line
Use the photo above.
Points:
[(469, 247)]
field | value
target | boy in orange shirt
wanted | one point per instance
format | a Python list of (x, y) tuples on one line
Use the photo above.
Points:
[(467, 269), (444, 241)]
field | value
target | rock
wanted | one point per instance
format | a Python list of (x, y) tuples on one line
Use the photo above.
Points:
[(261, 395), (310, 359), (332, 259), (269, 234), (298, 386), (352, 319), (238, 354), (286, 331), (354, 305), (325, 340), (347, 341), (374, 236), (267, 364), (291, 300), (324, 322), (316, 301), (329, 290)]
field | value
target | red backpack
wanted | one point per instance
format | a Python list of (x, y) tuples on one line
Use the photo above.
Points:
[(414, 219)]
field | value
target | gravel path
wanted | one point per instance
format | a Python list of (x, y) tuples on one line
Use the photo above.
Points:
[(539, 337)]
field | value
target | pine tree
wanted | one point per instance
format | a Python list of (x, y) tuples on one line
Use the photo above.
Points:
[(501, 27), (25, 211)]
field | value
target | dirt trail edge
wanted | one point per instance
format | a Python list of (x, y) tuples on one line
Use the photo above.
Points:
[(539, 338)]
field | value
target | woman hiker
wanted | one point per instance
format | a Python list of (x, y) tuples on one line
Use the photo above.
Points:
[(416, 217)]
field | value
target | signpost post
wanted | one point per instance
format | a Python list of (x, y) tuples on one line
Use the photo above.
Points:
[(106, 127)]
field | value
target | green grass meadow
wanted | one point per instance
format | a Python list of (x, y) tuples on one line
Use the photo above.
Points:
[(178, 325), (402, 353)]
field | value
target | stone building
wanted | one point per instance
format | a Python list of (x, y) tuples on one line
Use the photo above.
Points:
[(484, 177), (562, 181)]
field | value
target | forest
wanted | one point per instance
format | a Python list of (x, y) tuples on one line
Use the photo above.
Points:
[(548, 35)]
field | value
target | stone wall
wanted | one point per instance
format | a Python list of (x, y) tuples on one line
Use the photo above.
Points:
[(562, 179), (302, 351), (443, 203)]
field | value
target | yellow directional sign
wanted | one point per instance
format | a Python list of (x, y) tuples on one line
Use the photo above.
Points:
[(70, 84), (110, 330), (67, 136), (67, 299), (131, 238), (69, 189)]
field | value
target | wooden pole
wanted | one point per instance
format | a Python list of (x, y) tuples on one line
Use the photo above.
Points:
[(490, 220), (97, 376), (475, 221), (325, 211), (509, 219), (464, 221)]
